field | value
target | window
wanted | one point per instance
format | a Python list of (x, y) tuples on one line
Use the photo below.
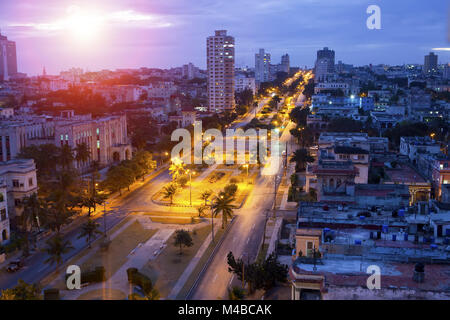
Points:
[(17, 202), (15, 183), (3, 215), (30, 182)]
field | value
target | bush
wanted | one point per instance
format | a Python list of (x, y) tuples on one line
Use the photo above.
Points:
[(233, 181), (182, 181), (139, 279), (51, 294), (231, 189), (97, 275), (94, 276)]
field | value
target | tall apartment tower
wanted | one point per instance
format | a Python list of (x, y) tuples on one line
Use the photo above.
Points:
[(8, 58), (324, 64), (220, 67), (285, 64), (431, 63), (262, 66)]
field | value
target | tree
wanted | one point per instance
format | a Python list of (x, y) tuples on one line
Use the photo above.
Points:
[(223, 204), (205, 195), (236, 293), (201, 210), (301, 157), (299, 116), (31, 216), (258, 275), (117, 178), (66, 156), (45, 156), (182, 238), (152, 295), (82, 153), (169, 192), (23, 291), (88, 230), (145, 160), (177, 169), (56, 248), (230, 189)]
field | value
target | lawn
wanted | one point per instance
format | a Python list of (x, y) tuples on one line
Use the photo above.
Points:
[(165, 270), (119, 248), (103, 294), (176, 220), (198, 187), (198, 268)]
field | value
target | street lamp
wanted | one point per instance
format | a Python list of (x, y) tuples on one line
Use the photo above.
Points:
[(104, 218), (190, 185), (212, 220), (246, 166)]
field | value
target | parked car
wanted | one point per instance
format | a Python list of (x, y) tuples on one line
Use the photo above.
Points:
[(14, 266)]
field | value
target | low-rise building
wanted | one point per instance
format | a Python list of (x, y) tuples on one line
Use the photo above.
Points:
[(4, 218), (19, 177), (413, 146)]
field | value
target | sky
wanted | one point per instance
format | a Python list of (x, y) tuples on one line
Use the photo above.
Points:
[(110, 34)]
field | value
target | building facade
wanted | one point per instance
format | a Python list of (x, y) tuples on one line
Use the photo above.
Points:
[(430, 64), (19, 178), (4, 218), (8, 58), (262, 66), (220, 69)]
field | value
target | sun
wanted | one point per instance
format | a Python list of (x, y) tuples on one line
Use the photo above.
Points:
[(83, 25)]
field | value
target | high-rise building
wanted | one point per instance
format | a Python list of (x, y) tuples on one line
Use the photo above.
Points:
[(8, 58), (446, 73), (262, 66), (220, 67), (189, 71), (430, 63), (324, 64), (285, 64)]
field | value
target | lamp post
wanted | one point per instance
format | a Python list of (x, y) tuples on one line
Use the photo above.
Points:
[(104, 218), (190, 185), (212, 221)]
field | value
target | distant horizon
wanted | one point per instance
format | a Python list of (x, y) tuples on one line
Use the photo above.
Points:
[(133, 34)]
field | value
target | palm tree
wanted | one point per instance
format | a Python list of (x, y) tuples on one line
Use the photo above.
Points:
[(32, 212), (66, 156), (82, 153), (56, 248), (201, 210), (301, 157), (88, 230), (205, 195), (223, 204), (177, 169), (169, 192)]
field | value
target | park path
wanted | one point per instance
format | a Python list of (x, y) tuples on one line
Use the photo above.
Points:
[(191, 266), (136, 259)]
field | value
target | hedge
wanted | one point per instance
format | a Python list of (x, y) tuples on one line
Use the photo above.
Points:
[(96, 275), (51, 294), (139, 279)]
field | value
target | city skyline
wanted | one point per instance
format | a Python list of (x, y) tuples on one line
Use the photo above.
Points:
[(75, 34)]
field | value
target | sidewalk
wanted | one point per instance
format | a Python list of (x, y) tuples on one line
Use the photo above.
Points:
[(191, 266)]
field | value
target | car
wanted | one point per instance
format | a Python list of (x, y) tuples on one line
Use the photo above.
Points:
[(14, 266)]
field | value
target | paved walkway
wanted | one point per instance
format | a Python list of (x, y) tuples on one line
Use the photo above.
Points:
[(138, 257), (191, 266)]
